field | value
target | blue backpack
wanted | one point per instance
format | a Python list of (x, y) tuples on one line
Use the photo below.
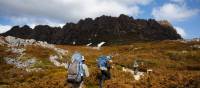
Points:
[(103, 62)]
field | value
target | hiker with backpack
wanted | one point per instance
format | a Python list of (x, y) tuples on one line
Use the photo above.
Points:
[(104, 65), (135, 67), (77, 71)]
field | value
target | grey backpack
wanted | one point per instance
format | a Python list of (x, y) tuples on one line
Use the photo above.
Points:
[(74, 74)]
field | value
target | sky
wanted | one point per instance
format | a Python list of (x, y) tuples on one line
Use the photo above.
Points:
[(184, 15)]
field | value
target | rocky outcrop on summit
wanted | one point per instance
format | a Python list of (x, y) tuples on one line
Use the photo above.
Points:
[(109, 29)]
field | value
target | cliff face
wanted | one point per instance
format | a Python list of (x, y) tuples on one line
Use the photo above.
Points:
[(120, 29)]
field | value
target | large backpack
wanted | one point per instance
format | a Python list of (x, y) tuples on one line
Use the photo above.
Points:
[(75, 69), (104, 66), (103, 63)]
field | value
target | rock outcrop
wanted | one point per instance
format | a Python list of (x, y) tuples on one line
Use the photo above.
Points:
[(122, 29), (17, 47)]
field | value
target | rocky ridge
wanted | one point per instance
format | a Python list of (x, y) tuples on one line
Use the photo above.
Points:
[(112, 30)]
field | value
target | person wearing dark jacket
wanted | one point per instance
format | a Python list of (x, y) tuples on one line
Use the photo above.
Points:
[(104, 65)]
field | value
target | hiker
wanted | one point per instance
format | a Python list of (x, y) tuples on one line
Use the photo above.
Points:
[(135, 67), (104, 65), (77, 71)]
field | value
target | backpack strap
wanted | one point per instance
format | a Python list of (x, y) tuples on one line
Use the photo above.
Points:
[(81, 71)]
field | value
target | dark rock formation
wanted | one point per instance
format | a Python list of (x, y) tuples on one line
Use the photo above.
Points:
[(120, 29)]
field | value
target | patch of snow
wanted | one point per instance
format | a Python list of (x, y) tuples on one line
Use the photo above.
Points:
[(89, 44), (99, 45)]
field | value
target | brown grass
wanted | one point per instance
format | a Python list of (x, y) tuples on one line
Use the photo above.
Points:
[(171, 67)]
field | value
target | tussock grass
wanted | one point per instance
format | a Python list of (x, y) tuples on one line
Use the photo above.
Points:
[(174, 64)]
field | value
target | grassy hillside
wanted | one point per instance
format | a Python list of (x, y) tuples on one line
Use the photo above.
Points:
[(175, 64)]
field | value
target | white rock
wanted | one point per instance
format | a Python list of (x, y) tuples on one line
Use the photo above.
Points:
[(195, 46), (53, 59), (60, 51), (13, 41), (20, 64), (33, 69), (127, 70), (95, 35), (136, 76), (184, 51), (44, 44), (2, 41), (196, 39), (74, 43), (149, 70), (17, 50)]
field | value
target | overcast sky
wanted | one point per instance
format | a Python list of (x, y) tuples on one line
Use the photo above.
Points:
[(184, 15)]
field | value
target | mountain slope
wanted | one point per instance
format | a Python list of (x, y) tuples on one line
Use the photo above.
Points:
[(174, 64)]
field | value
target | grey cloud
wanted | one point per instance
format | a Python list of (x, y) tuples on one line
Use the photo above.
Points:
[(59, 11)]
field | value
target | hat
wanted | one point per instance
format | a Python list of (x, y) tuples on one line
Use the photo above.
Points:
[(76, 57), (83, 58), (109, 58)]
